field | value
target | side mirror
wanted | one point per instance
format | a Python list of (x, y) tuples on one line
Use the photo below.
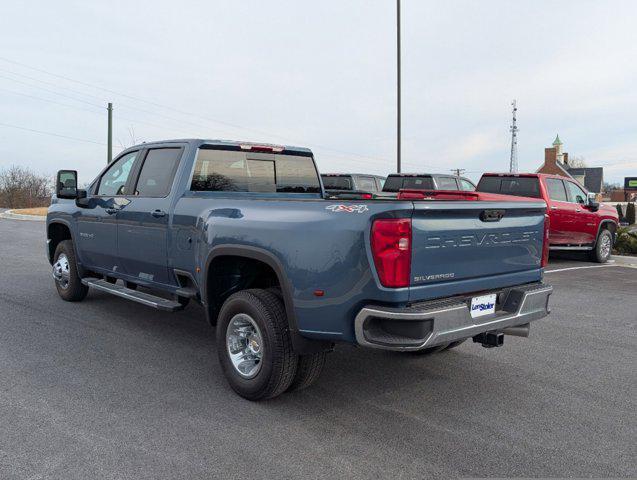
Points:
[(591, 202), (66, 184)]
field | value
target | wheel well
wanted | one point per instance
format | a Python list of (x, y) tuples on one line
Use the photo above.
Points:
[(228, 274), (610, 226), (57, 232)]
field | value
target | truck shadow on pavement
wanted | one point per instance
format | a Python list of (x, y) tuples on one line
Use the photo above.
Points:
[(350, 373)]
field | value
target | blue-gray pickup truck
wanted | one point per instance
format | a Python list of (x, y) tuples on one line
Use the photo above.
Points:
[(285, 273)]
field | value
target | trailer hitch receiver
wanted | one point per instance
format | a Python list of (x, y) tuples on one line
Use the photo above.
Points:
[(489, 339)]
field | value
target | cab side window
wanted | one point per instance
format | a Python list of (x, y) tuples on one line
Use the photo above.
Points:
[(113, 182), (367, 184), (467, 185), (447, 183), (556, 190), (158, 171), (575, 193)]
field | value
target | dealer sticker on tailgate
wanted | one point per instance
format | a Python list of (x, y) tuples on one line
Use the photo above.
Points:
[(483, 305)]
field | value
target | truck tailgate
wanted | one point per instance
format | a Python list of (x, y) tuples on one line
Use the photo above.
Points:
[(453, 241)]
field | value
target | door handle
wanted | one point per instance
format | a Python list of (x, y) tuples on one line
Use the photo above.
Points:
[(158, 213), (553, 207), (111, 211), (577, 210)]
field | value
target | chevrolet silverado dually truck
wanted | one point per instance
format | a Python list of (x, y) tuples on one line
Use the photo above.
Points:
[(578, 222), (285, 273)]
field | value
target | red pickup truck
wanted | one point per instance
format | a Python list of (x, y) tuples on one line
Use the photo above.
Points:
[(577, 220)]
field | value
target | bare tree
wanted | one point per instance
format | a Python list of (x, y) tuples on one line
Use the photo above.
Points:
[(577, 162), (23, 188), (132, 139)]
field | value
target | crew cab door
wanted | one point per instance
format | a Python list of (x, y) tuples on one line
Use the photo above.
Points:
[(584, 226), (143, 225), (97, 225), (561, 213)]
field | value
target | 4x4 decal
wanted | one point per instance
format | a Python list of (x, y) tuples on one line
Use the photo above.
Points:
[(347, 208)]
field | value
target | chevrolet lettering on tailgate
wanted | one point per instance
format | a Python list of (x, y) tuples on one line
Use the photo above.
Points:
[(478, 240)]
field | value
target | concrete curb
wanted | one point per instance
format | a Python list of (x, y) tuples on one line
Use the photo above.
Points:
[(624, 260), (10, 215)]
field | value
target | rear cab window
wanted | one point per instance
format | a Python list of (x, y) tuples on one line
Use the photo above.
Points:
[(337, 182), (517, 186), (237, 171), (395, 184)]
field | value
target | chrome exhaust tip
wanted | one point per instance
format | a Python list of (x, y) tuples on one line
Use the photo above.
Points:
[(518, 331)]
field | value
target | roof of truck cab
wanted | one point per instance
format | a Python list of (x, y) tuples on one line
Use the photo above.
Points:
[(527, 175), (221, 143), (351, 174), (423, 175)]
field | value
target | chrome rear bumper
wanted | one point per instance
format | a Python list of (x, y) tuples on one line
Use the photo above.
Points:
[(437, 322)]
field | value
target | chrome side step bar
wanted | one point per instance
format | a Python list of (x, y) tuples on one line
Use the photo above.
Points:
[(140, 297)]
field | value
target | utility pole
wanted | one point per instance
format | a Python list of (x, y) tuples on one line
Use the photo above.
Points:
[(458, 171), (513, 163), (109, 141), (398, 135)]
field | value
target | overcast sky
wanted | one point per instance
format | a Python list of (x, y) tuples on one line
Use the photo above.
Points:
[(322, 74)]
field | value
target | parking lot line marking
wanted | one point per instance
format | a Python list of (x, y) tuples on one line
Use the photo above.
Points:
[(588, 266)]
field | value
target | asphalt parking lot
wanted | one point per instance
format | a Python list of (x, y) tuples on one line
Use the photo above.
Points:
[(111, 389)]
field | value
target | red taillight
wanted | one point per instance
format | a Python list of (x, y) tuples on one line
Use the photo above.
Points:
[(391, 248), (366, 196), (545, 240)]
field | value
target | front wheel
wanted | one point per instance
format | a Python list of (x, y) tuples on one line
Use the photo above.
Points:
[(603, 247), (254, 346), (67, 281)]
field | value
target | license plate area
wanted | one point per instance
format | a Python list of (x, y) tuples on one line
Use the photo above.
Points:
[(483, 305)]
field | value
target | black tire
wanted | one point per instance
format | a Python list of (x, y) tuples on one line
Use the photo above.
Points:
[(455, 344), (131, 285), (308, 370), (74, 290), (275, 290), (599, 254), (278, 363), (430, 350), (110, 279)]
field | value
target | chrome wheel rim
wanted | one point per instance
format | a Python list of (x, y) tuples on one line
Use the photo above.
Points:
[(244, 344), (61, 271), (604, 247)]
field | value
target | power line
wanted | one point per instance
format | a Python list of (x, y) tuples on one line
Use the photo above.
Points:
[(51, 91), (50, 101), (50, 133), (39, 80), (375, 160), (182, 112)]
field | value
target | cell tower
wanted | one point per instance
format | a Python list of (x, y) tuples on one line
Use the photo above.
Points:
[(513, 166)]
